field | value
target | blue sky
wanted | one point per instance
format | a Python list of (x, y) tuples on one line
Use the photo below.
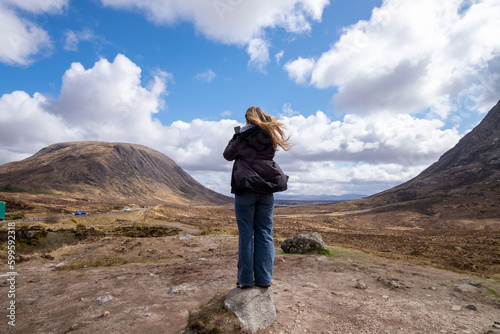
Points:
[(372, 91)]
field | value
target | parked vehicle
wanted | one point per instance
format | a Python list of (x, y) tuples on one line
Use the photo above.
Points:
[(126, 209), (81, 212)]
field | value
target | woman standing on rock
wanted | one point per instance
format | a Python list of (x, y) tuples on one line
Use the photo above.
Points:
[(254, 179)]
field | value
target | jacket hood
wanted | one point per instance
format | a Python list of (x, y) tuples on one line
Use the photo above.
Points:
[(256, 138)]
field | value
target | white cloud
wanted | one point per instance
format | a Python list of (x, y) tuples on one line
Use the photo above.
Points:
[(300, 70), (238, 22), (26, 126), (278, 56), (411, 56), (232, 22), (73, 38), (226, 113), (108, 102), (374, 139), (258, 49), (207, 76), (288, 111), (330, 178), (37, 6), (21, 39)]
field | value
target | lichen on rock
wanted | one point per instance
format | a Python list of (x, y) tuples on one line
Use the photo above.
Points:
[(304, 243)]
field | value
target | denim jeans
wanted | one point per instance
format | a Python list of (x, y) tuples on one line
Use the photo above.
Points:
[(254, 215)]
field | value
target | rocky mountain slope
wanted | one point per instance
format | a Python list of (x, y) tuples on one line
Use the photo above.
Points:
[(465, 177), (111, 171), (474, 161)]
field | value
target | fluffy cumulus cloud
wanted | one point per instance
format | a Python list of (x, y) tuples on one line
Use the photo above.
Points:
[(21, 39), (238, 22), (410, 57), (376, 139), (300, 69), (108, 102), (354, 155), (26, 126), (344, 156)]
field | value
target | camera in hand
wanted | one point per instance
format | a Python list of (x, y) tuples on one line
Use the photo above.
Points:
[(237, 129)]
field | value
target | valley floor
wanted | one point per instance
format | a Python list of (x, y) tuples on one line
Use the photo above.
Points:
[(166, 277), (388, 275)]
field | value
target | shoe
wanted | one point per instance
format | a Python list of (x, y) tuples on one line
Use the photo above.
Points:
[(263, 286), (241, 286)]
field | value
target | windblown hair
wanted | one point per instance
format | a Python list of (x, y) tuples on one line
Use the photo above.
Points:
[(270, 125)]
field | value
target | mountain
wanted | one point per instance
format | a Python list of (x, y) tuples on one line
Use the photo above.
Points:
[(465, 177), (308, 199), (108, 171), (326, 198)]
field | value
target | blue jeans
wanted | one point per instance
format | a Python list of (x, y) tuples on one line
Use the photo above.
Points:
[(254, 215)]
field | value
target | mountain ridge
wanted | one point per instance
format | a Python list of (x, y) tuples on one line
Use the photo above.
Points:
[(465, 179), (109, 171), (474, 159)]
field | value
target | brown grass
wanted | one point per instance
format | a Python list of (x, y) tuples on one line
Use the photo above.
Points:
[(424, 235)]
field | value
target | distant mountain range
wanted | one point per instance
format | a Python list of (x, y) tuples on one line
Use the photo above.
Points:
[(318, 198), (108, 172)]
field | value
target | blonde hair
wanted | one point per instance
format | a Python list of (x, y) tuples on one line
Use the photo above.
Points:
[(270, 125)]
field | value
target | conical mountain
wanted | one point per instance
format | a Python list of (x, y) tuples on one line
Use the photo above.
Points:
[(108, 171)]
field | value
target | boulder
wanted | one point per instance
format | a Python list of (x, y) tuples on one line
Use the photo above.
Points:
[(254, 307), (303, 243)]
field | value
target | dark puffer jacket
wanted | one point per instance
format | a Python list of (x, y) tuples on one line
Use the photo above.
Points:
[(254, 168)]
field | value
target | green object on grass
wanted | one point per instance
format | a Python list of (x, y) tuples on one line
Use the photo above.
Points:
[(2, 210)]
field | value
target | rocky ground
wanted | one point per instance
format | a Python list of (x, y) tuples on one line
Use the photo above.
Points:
[(74, 290)]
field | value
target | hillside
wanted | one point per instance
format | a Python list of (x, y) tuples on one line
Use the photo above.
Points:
[(464, 182), (471, 168), (110, 171)]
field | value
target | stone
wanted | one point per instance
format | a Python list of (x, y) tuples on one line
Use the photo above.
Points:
[(303, 243), (360, 285), (185, 237), (182, 289), (254, 307), (104, 299), (104, 314), (395, 285), (467, 288)]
